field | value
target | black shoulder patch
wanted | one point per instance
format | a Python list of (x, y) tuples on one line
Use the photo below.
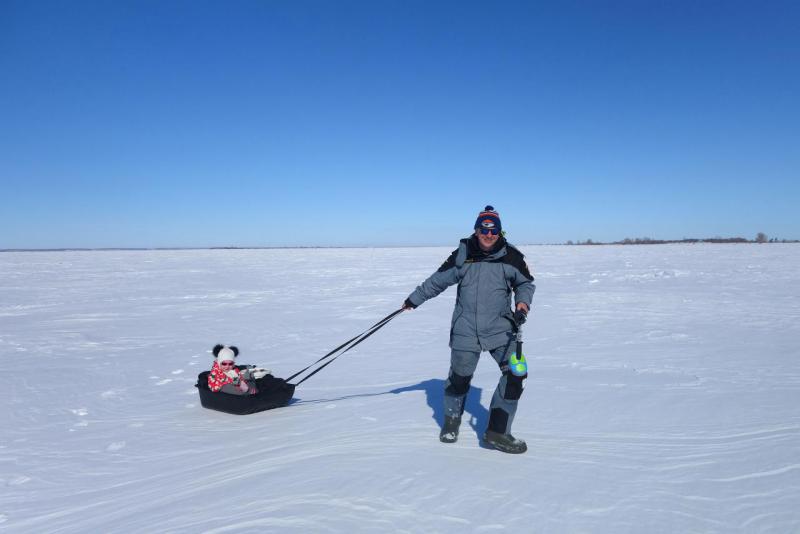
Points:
[(516, 259), (449, 262)]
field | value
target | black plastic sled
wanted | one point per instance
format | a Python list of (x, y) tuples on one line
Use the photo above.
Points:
[(272, 393)]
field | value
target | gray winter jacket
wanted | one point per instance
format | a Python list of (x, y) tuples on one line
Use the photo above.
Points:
[(482, 318)]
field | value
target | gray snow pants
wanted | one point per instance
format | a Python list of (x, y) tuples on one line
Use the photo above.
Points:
[(504, 401)]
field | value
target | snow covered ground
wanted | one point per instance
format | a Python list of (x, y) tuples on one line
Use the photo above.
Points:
[(664, 394)]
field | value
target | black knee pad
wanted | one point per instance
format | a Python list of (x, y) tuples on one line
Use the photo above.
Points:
[(459, 385), (514, 386)]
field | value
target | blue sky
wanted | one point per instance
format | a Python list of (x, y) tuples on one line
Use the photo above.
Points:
[(266, 123)]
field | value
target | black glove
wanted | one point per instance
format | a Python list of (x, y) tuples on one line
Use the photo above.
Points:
[(520, 316), (408, 305)]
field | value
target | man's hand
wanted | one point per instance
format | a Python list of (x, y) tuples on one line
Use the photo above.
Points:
[(521, 315), (408, 305)]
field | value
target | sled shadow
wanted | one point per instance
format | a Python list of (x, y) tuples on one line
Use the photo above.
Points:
[(434, 393)]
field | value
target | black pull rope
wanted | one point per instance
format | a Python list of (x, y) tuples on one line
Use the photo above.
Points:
[(350, 343), (343, 345), (371, 331), (359, 338)]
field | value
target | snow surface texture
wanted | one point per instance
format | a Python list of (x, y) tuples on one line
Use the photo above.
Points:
[(664, 394)]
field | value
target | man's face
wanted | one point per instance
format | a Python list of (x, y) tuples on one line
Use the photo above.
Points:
[(486, 241)]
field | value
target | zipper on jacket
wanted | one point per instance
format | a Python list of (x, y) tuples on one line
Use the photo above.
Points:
[(477, 302)]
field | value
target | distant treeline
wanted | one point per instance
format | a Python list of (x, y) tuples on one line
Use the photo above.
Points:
[(760, 238)]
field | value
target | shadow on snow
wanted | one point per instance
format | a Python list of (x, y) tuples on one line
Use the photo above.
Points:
[(434, 394)]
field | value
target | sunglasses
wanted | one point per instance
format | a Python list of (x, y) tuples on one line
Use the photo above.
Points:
[(227, 364), (487, 231)]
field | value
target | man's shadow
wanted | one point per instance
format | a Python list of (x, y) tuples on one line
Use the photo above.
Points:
[(434, 393)]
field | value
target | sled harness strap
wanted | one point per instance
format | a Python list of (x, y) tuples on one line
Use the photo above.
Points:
[(350, 343)]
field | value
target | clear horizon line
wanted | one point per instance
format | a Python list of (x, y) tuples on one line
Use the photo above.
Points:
[(297, 247)]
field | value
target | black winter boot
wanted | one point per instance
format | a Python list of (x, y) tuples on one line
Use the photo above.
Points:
[(449, 433), (505, 442)]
